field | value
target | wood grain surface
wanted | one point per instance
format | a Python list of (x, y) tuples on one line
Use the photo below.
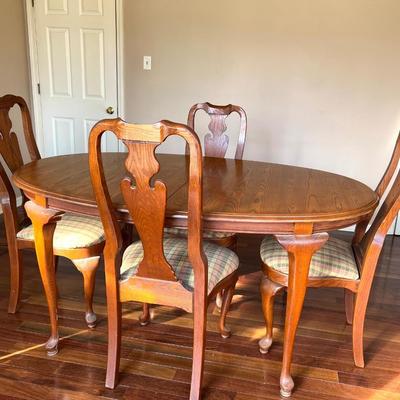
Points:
[(235, 192), (238, 196), (156, 359)]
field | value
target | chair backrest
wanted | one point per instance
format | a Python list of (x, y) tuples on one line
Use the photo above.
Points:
[(10, 148), (145, 200), (390, 170), (216, 141), (370, 243), (380, 191)]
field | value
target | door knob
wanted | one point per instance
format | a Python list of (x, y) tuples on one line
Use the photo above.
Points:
[(110, 110)]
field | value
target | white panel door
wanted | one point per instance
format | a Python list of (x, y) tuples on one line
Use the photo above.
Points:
[(77, 63)]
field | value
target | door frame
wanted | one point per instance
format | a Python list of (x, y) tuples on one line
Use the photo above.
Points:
[(36, 109)]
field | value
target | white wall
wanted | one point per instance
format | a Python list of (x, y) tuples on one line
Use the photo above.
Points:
[(319, 79), (14, 70)]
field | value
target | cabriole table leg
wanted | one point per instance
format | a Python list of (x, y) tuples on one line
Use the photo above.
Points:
[(300, 249), (44, 223)]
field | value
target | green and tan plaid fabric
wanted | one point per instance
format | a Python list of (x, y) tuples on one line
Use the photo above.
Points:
[(221, 261), (208, 235), (73, 231), (334, 260)]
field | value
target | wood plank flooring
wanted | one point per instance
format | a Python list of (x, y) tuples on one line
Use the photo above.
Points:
[(156, 359)]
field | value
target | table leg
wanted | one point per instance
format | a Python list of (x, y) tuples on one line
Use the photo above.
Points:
[(300, 249), (44, 223)]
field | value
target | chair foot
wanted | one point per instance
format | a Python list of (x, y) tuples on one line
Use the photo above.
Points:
[(91, 319), (144, 318), (264, 344), (13, 306), (286, 385), (52, 346), (285, 393), (227, 334)]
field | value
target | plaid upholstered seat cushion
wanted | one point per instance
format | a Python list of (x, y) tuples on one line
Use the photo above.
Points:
[(181, 232), (73, 231), (221, 261), (334, 260)]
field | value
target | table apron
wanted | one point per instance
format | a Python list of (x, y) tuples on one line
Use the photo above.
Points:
[(235, 224)]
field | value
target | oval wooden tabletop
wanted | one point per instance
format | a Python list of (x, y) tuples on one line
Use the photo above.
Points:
[(239, 195)]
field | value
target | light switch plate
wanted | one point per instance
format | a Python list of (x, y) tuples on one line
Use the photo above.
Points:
[(147, 63)]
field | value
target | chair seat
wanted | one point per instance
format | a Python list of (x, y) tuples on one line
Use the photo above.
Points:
[(73, 231), (208, 235), (334, 260), (221, 261)]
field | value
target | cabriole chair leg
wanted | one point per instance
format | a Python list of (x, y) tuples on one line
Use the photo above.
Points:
[(88, 267), (226, 303), (144, 318), (220, 296), (219, 300), (268, 291)]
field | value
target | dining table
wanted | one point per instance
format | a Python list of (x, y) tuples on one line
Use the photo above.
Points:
[(300, 206)]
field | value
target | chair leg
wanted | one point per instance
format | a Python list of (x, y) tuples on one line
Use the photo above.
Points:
[(349, 305), (226, 303), (44, 222), (114, 324), (220, 296), (88, 267), (234, 245), (114, 343), (16, 274), (358, 329), (127, 237), (56, 261), (199, 339), (219, 299), (268, 291), (144, 318)]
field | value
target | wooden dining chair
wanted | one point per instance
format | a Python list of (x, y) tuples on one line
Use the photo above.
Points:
[(185, 273), (77, 237), (338, 263), (216, 145)]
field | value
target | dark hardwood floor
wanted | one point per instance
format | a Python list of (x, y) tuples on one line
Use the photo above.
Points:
[(156, 359)]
